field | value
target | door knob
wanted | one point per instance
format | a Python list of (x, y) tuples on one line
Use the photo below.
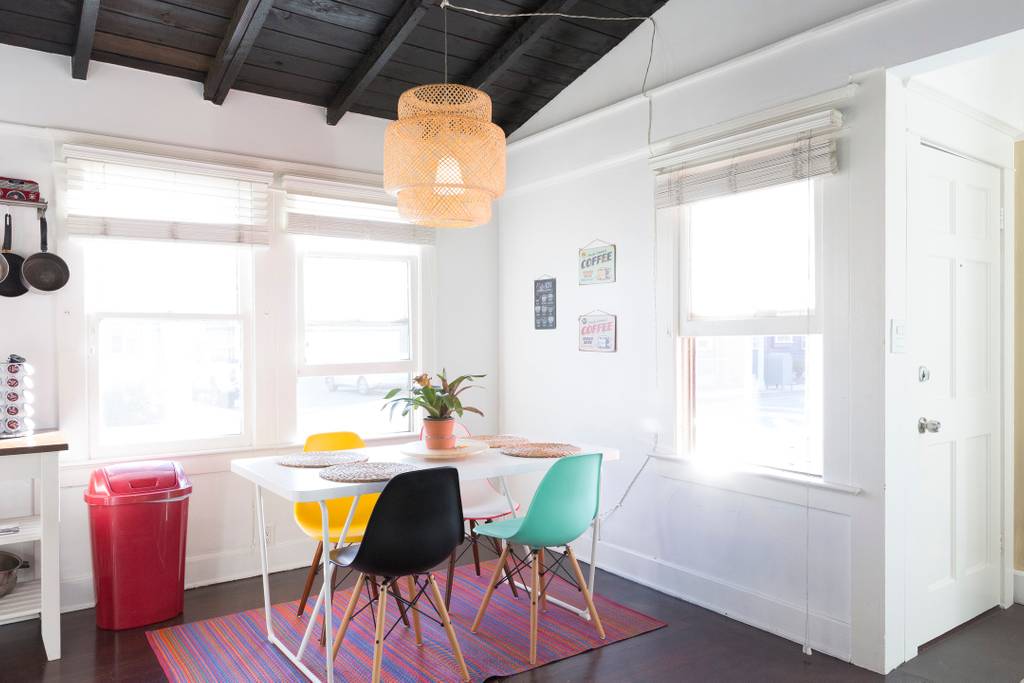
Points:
[(926, 425)]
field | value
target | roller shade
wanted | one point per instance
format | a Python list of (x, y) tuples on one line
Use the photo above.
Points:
[(785, 163), (347, 210), (122, 194)]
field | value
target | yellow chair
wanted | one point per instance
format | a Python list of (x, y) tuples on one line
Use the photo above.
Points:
[(307, 515)]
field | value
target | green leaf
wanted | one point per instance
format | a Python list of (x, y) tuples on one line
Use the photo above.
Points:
[(392, 393), (468, 409)]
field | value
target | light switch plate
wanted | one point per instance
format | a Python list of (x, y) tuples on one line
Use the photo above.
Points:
[(897, 335)]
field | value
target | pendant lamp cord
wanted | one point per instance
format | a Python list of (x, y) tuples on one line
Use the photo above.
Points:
[(445, 5)]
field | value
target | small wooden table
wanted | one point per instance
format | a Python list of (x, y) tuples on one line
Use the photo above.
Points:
[(304, 485), (36, 457)]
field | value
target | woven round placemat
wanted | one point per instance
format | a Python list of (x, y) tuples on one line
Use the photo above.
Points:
[(320, 459), (365, 471), (541, 450), (501, 440)]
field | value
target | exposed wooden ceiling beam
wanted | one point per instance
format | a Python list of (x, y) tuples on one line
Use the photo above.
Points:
[(516, 44), (397, 30), (83, 41), (234, 49)]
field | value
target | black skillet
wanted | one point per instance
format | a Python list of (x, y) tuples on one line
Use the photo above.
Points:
[(11, 285), (44, 272)]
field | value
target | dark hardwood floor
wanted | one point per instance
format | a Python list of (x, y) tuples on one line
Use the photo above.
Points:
[(697, 645)]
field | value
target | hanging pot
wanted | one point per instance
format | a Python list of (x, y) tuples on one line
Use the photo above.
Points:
[(11, 285), (44, 272)]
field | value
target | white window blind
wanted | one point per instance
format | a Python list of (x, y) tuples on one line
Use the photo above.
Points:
[(123, 194), (348, 210), (776, 154)]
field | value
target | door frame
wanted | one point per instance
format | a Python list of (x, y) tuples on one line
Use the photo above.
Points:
[(934, 123)]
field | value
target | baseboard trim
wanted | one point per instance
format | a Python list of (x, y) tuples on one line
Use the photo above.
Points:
[(205, 570), (828, 635), (1018, 586)]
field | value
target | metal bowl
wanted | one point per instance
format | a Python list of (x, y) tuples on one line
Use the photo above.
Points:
[(9, 566)]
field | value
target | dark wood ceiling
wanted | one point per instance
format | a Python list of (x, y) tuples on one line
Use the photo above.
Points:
[(344, 55)]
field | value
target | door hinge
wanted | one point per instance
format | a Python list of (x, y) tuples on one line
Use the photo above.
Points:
[(1002, 218)]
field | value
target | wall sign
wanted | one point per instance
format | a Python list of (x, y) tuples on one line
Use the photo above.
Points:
[(597, 263), (598, 332), (544, 315)]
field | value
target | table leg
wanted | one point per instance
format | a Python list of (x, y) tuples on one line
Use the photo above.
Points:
[(325, 521), (261, 524), (508, 496), (322, 596), (296, 660)]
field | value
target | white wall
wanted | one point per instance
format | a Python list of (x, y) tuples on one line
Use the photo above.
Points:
[(732, 543), (38, 91)]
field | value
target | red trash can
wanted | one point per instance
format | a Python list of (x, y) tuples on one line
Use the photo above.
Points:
[(138, 514)]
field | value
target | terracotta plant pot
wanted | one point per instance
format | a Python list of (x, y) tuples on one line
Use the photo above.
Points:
[(439, 433)]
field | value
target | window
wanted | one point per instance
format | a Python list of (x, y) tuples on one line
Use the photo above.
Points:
[(168, 339), (750, 333), (358, 334), (218, 314)]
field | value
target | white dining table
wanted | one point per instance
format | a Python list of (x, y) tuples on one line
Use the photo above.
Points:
[(305, 485)]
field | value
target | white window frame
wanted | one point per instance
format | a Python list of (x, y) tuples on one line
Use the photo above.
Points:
[(416, 328), (101, 451), (689, 327)]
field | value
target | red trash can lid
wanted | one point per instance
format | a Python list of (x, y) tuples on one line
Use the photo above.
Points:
[(137, 482)]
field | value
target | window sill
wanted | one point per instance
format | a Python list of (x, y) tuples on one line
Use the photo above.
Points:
[(678, 467), (76, 472)]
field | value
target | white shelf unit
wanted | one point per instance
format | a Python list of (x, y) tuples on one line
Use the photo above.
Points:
[(36, 458)]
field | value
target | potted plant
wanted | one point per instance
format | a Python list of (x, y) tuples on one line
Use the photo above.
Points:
[(439, 401)]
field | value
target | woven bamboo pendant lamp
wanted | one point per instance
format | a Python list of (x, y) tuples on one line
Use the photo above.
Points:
[(443, 158)]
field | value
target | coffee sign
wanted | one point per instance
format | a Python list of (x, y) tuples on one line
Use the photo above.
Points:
[(598, 333), (597, 264)]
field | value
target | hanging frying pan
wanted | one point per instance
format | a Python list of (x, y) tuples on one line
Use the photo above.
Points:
[(44, 272), (5, 269), (11, 285)]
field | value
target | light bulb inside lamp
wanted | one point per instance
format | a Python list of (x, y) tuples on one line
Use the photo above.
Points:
[(448, 177)]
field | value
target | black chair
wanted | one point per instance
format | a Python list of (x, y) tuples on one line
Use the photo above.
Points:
[(415, 525)]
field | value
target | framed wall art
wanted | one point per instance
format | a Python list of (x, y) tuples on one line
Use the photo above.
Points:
[(598, 332), (544, 313)]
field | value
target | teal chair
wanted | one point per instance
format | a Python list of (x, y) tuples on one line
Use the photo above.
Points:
[(561, 510)]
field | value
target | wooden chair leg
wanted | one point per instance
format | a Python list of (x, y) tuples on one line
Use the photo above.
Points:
[(586, 592), (352, 602), (378, 639), (473, 541), (447, 622), (411, 585), (310, 577), (508, 572), (396, 589), (534, 600), (490, 588), (451, 579)]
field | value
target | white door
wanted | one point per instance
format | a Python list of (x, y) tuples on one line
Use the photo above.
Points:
[(954, 330)]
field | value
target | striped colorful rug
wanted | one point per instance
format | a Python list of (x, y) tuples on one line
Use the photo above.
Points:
[(235, 647)]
